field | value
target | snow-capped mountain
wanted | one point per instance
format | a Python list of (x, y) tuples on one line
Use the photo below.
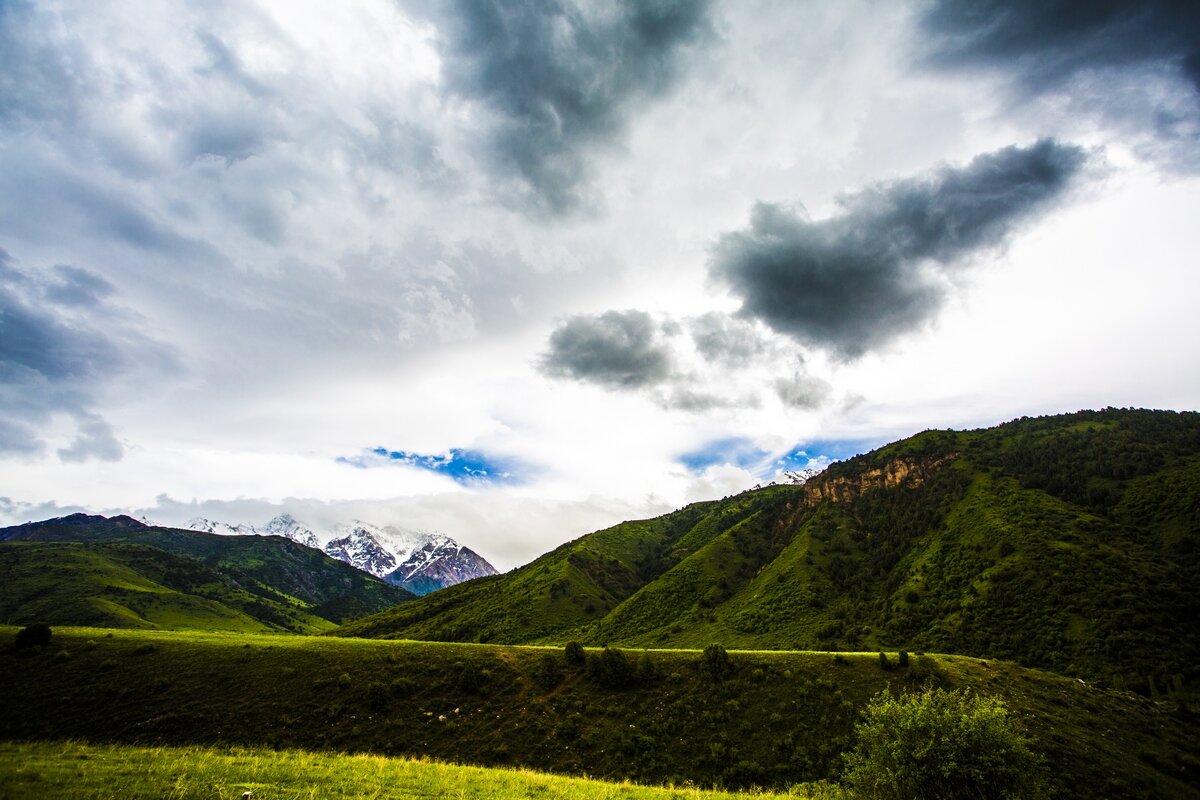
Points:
[(283, 525), (419, 561)]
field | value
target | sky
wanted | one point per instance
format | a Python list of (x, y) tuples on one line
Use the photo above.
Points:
[(517, 271)]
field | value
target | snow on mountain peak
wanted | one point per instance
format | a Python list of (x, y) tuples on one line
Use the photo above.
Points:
[(418, 560)]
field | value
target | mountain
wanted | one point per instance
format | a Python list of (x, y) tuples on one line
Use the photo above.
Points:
[(418, 561), (283, 525), (1070, 543), (120, 572)]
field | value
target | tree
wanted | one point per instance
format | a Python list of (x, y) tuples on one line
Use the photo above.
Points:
[(35, 635), (716, 660), (574, 654), (938, 745), (611, 669)]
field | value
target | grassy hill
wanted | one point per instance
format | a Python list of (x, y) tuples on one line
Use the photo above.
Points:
[(87, 570), (1068, 543), (774, 719)]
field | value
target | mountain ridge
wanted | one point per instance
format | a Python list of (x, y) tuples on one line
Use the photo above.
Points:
[(119, 571), (1066, 543), (418, 561)]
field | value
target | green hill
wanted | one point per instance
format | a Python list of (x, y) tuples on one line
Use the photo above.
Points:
[(1067, 543), (87, 570), (770, 719)]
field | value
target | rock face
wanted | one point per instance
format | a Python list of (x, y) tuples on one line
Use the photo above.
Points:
[(419, 561), (903, 470)]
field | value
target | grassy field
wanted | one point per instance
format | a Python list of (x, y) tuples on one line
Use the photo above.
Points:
[(40, 770), (777, 719)]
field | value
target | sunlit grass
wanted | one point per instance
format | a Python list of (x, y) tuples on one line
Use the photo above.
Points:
[(76, 770)]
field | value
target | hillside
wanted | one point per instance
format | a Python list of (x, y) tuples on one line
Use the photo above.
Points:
[(118, 572), (1067, 543), (770, 719)]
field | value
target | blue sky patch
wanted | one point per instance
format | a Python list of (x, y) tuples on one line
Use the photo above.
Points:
[(463, 466), (826, 449), (737, 451), (743, 453)]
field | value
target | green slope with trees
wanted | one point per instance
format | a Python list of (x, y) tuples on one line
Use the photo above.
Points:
[(1067, 543), (89, 570)]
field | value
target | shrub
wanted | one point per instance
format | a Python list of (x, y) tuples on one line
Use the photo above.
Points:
[(902, 659), (574, 654), (938, 745), (715, 660), (468, 677), (35, 635), (547, 673), (647, 671), (611, 668), (884, 664)]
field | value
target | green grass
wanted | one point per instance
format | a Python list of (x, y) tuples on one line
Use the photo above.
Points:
[(41, 770), (779, 719)]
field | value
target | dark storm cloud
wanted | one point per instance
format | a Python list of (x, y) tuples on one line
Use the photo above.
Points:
[(856, 280), (563, 77), (1132, 67), (618, 349), (60, 343), (1045, 42)]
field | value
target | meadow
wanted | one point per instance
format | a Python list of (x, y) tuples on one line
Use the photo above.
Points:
[(37, 770), (773, 719)]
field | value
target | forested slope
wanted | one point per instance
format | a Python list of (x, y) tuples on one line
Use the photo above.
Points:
[(1066, 542)]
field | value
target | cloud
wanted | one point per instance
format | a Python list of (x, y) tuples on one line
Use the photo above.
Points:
[(95, 439), (61, 343), (857, 280), (1046, 43), (686, 364), (1133, 66), (801, 390), (467, 467), (617, 349), (561, 78), (725, 339)]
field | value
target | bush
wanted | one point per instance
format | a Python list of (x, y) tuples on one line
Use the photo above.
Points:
[(35, 635), (715, 660), (902, 659), (884, 664), (611, 669), (938, 745), (548, 674), (574, 654)]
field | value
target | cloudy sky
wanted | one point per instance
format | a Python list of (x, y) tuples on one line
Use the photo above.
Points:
[(520, 270)]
